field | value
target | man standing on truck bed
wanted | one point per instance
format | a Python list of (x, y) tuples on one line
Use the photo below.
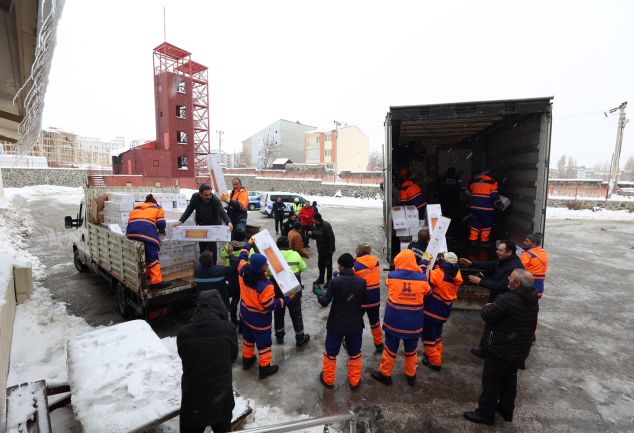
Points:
[(209, 212), (238, 203), (410, 193), (146, 221), (484, 196)]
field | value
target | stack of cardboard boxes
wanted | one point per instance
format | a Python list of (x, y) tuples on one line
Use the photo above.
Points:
[(174, 255), (406, 223)]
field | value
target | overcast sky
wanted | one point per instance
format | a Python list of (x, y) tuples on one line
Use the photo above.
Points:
[(349, 61)]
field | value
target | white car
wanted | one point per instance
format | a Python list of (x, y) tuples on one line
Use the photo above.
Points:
[(267, 199)]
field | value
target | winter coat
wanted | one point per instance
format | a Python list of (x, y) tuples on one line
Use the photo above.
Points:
[(238, 205), (213, 277), (306, 216), (287, 226), (207, 214), (207, 348), (279, 209), (325, 239), (510, 324), (498, 282), (296, 243), (347, 293)]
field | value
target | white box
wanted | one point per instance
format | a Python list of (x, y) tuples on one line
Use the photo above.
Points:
[(398, 218), (121, 197), (115, 228), (201, 233), (278, 267), (189, 249), (173, 214), (437, 243), (411, 213), (434, 212), (181, 203), (216, 176)]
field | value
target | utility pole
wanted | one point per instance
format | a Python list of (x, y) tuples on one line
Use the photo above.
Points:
[(220, 142), (614, 169)]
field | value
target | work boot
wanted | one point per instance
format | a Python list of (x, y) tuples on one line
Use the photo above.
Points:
[(268, 370), (504, 414), (248, 362), (379, 348), (279, 338), (302, 340), (477, 418), (427, 363), (376, 375), (354, 387), (321, 379), (411, 380), (161, 285), (478, 352)]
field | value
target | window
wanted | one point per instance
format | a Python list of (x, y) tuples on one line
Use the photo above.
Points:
[(329, 136), (180, 87), (180, 112), (318, 139), (312, 154), (328, 152), (181, 137), (182, 162)]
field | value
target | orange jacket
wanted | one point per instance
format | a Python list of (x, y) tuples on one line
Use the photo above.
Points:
[(144, 223), (535, 261), (367, 267)]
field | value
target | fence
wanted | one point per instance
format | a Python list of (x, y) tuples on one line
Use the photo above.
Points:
[(576, 190)]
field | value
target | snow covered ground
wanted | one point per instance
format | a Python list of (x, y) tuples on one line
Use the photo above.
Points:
[(562, 213)]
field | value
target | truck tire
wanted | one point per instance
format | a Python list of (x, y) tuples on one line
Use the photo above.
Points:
[(251, 206), (121, 301), (78, 263)]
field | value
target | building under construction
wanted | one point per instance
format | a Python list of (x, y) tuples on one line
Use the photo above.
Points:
[(181, 147)]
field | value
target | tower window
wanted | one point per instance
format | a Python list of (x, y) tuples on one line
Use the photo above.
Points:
[(182, 162), (180, 87), (180, 112), (181, 137)]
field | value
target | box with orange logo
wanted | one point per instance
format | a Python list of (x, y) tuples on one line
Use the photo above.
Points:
[(201, 233), (277, 265)]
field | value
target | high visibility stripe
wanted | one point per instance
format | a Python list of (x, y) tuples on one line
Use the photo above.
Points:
[(210, 280), (257, 328), (404, 307), (427, 313), (402, 331), (143, 238), (145, 220), (376, 304), (481, 208), (436, 296)]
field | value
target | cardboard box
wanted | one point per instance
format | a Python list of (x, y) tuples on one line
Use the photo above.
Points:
[(201, 233), (216, 176), (434, 212), (280, 270), (115, 206), (398, 218), (121, 197), (437, 243)]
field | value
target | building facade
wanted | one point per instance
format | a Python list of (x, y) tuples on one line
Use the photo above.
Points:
[(98, 152), (342, 149), (281, 139)]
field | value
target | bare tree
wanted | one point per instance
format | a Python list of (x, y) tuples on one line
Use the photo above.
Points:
[(571, 166), (628, 170), (561, 166), (375, 161), (268, 151)]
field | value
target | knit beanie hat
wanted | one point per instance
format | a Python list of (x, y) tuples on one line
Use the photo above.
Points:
[(256, 262), (450, 258), (535, 237), (346, 260)]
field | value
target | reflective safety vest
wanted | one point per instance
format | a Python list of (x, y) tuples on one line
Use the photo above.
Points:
[(367, 267), (445, 281), (236, 252), (410, 194), (294, 260), (406, 289), (144, 223), (258, 302), (484, 192), (535, 261), (296, 208)]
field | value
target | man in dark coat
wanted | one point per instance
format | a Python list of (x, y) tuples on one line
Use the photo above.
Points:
[(498, 281), (325, 248), (209, 212), (208, 347), (348, 293), (278, 209), (511, 321), (209, 276)]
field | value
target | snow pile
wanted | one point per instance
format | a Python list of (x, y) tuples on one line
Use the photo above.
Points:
[(58, 194), (561, 213), (354, 202), (267, 415)]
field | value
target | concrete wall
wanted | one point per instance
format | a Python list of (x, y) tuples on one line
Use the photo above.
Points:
[(303, 186), (19, 177), (7, 317)]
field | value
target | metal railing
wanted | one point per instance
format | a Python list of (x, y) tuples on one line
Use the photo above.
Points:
[(291, 426)]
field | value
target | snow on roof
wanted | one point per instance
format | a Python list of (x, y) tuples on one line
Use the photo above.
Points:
[(118, 152), (281, 161)]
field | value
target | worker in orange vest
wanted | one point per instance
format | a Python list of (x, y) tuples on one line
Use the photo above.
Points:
[(403, 320), (535, 260), (444, 279), (367, 267), (484, 196), (410, 193), (145, 223), (238, 203)]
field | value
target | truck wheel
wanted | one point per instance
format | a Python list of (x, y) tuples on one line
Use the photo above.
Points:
[(251, 206), (121, 299), (78, 264)]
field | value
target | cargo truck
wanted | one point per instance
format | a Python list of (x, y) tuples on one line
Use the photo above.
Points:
[(509, 137), (121, 262)]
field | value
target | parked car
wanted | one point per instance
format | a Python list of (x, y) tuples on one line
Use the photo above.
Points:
[(266, 202), (254, 200)]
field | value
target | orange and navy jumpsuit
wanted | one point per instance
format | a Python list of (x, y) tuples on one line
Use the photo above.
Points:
[(411, 194), (237, 209), (403, 320), (367, 267), (257, 302), (535, 261), (484, 193), (144, 223), (445, 279)]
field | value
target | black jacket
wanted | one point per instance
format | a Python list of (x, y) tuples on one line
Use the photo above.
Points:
[(207, 347), (500, 270), (510, 324), (325, 238), (278, 209), (287, 226), (347, 293), (214, 277), (207, 214)]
